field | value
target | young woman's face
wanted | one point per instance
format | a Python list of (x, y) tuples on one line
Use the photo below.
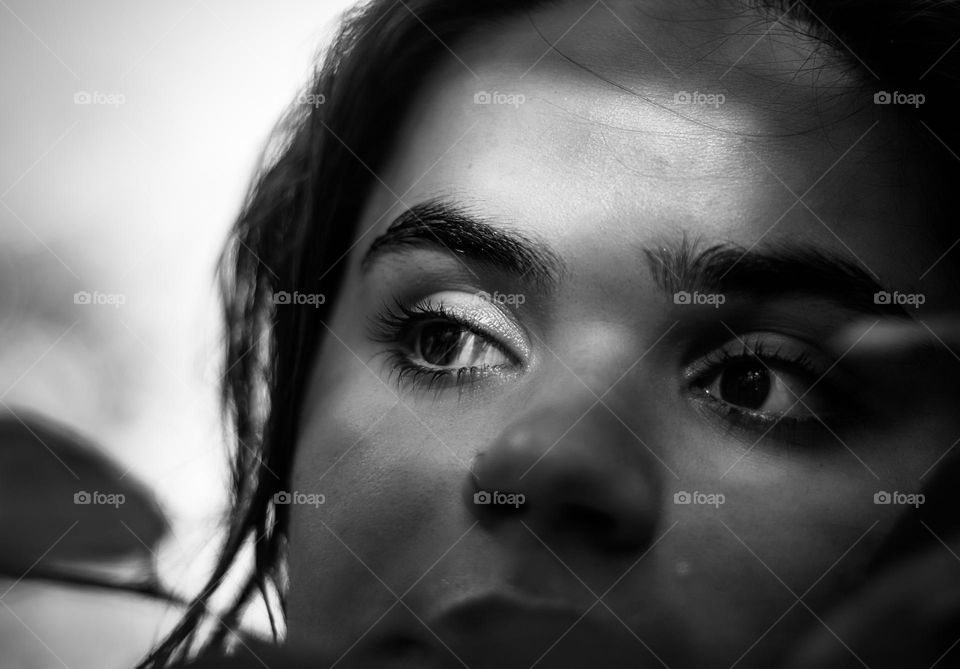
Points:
[(678, 480)]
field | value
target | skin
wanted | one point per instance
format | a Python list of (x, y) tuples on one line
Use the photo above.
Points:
[(600, 173)]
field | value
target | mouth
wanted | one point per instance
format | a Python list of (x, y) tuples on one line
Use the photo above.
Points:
[(508, 631)]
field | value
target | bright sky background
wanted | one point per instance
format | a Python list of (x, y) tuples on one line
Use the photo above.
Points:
[(134, 200)]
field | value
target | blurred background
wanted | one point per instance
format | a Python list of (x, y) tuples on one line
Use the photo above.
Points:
[(129, 131)]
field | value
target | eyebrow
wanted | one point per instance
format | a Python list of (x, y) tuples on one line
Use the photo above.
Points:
[(449, 227), (780, 271), (771, 273)]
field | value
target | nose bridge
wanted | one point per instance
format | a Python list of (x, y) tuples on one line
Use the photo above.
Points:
[(595, 374), (590, 354)]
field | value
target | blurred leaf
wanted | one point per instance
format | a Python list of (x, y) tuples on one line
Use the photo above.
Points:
[(66, 507)]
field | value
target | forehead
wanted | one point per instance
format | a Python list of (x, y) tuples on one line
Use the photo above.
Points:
[(647, 120)]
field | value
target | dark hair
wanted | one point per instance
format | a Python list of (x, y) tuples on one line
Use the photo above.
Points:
[(299, 222)]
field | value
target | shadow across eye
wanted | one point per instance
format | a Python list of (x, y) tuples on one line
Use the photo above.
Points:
[(764, 382)]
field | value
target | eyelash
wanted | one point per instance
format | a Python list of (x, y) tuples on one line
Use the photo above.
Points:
[(394, 325)]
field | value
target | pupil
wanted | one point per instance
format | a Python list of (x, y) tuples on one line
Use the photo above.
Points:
[(745, 383), (440, 343)]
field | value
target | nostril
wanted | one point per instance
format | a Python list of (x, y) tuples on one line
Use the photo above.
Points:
[(401, 646), (587, 519), (600, 527)]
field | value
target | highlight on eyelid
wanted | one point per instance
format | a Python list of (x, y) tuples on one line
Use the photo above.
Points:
[(485, 311)]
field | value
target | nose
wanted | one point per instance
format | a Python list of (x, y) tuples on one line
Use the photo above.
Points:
[(571, 471)]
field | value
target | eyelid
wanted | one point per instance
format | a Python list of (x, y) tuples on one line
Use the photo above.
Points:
[(774, 349), (480, 311)]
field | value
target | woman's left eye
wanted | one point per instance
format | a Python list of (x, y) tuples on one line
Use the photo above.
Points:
[(765, 380), (750, 384)]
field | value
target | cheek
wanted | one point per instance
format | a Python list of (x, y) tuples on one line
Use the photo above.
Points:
[(787, 518), (742, 566), (386, 485)]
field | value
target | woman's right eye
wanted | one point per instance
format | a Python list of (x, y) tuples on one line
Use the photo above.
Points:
[(450, 338)]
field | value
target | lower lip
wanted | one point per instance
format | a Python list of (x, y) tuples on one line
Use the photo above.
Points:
[(502, 635)]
